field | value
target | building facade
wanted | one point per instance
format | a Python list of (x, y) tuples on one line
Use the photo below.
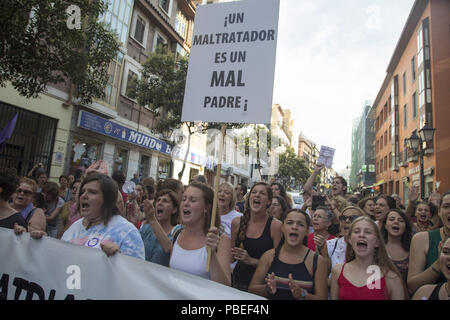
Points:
[(362, 174), (415, 92)]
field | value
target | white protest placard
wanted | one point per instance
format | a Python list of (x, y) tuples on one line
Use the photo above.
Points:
[(232, 62), (326, 156), (51, 269)]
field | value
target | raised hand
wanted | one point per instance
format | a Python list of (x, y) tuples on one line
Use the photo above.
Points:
[(213, 239)]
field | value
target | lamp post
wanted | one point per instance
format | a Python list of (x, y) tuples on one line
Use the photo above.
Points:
[(415, 142)]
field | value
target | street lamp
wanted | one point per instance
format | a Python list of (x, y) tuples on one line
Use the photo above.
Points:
[(415, 142)]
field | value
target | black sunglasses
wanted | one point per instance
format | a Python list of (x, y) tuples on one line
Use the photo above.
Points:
[(25, 192), (348, 218)]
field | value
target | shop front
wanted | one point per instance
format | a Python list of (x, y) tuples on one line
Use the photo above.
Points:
[(124, 148)]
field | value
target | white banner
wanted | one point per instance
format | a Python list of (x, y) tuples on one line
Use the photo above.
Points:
[(48, 269), (232, 62)]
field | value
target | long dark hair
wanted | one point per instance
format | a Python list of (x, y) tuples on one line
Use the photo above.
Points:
[(109, 189), (246, 216), (406, 236)]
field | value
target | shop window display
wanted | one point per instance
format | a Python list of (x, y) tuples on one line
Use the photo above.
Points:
[(84, 153)]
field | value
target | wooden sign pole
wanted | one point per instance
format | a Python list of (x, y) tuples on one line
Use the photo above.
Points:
[(216, 188)]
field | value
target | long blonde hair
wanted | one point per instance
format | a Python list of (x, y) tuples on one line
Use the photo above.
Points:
[(381, 257)]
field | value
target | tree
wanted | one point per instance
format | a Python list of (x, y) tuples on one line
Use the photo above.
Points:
[(161, 87), (259, 139), (42, 44), (293, 166)]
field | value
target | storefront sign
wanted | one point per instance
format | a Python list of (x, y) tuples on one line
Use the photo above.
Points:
[(108, 128)]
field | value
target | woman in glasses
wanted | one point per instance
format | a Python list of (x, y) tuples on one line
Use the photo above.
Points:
[(8, 216), (23, 202), (334, 251), (397, 233)]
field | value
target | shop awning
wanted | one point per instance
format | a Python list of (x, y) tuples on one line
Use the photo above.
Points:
[(378, 183)]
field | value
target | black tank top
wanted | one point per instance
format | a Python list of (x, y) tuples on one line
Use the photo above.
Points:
[(435, 294), (298, 271), (243, 273)]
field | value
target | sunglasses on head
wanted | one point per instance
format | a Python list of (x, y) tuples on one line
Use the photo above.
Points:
[(25, 192), (348, 218)]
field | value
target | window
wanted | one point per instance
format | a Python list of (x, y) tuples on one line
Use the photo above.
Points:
[(182, 25), (381, 165), (130, 75), (414, 105), (385, 163), (117, 17), (390, 130), (120, 160), (139, 30), (390, 160), (385, 138), (166, 5), (112, 88), (405, 119), (413, 69), (404, 83), (159, 40)]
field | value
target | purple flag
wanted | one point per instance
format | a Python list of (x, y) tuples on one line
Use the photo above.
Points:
[(7, 131)]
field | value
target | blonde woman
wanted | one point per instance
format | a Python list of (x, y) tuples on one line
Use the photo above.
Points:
[(368, 273), (226, 202)]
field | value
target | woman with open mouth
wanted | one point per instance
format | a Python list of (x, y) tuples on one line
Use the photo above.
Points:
[(424, 267), (368, 273), (160, 226), (23, 202), (226, 202), (291, 271), (253, 234), (101, 225), (439, 291), (424, 211), (189, 250), (397, 233), (383, 204)]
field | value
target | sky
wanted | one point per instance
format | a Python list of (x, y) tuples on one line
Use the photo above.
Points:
[(332, 56)]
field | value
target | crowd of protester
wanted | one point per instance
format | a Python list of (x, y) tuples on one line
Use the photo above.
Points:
[(343, 247)]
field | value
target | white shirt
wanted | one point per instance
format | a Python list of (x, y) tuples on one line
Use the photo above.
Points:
[(226, 220), (190, 261), (336, 250)]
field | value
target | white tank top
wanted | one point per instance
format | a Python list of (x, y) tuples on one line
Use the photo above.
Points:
[(190, 261)]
